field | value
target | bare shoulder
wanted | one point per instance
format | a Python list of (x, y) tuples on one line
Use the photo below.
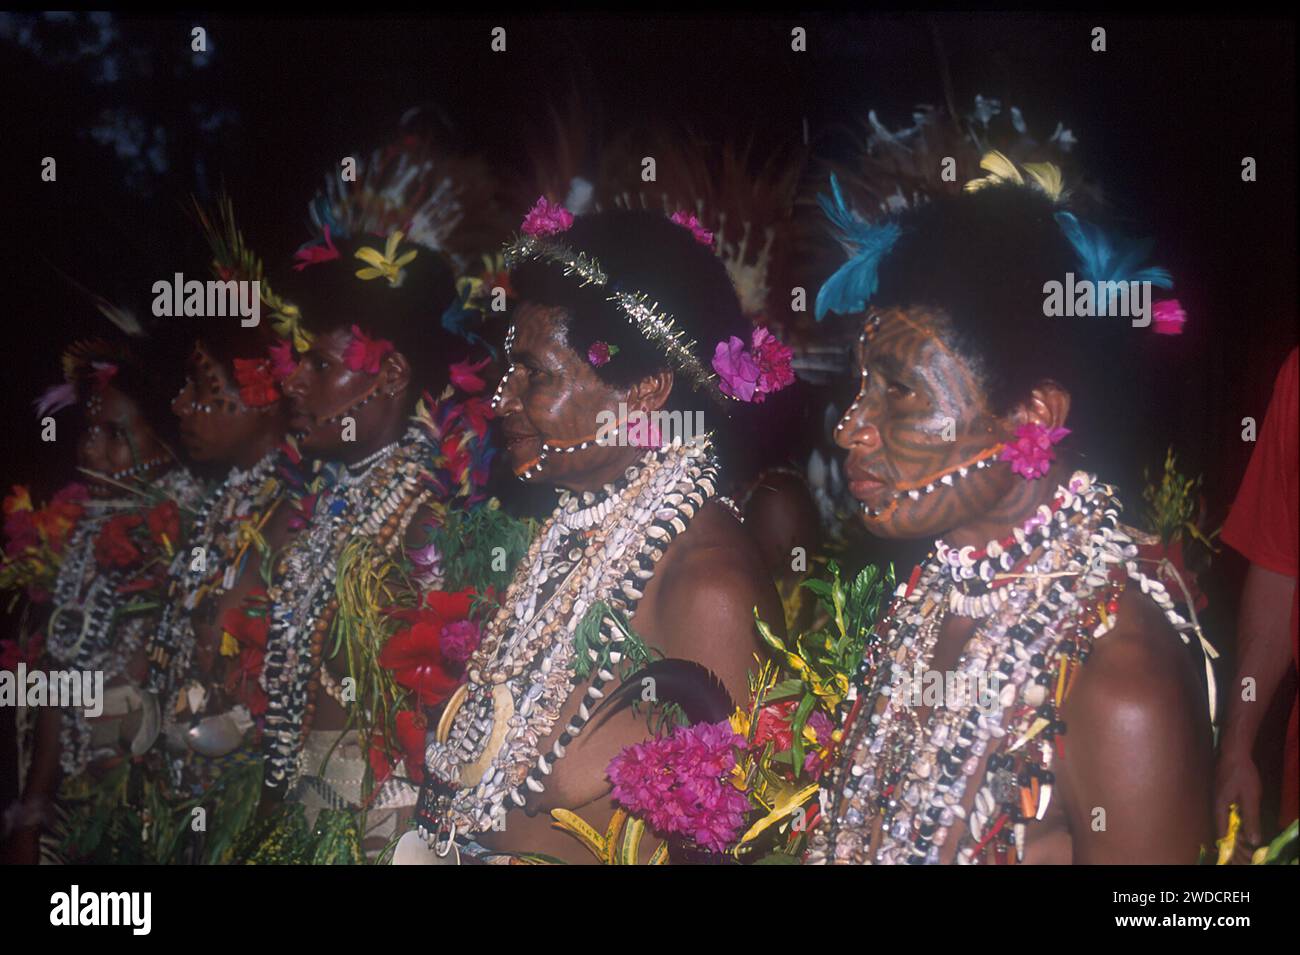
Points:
[(714, 561), (1140, 670), (1137, 743), (701, 601)]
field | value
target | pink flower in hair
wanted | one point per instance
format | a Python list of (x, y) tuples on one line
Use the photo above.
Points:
[(774, 363), (1031, 454), (687, 220), (283, 363), (753, 375), (599, 353), (737, 369), (365, 353), (316, 254), (1169, 317), (546, 219)]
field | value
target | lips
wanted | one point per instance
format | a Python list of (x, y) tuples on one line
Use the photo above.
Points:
[(514, 439), (865, 485)]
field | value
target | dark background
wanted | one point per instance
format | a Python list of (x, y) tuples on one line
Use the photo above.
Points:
[(138, 123)]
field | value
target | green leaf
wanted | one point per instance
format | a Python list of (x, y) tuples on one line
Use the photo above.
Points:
[(784, 691), (764, 631), (796, 728)]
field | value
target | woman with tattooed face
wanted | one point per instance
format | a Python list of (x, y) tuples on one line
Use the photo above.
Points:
[(1069, 724)]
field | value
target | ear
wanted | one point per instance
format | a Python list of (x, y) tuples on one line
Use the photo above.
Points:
[(651, 392), (1048, 405), (394, 374)]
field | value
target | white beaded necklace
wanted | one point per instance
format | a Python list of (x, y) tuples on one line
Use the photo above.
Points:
[(488, 755)]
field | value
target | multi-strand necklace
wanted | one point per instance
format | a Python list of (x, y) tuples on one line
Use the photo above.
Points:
[(219, 540), (85, 631), (377, 499), (489, 753), (1041, 597)]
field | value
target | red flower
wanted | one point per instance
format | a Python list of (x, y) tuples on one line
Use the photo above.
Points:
[(56, 519), (414, 656), (412, 728), (256, 382), (165, 521), (114, 546), (415, 653), (774, 724), (243, 680), (249, 629)]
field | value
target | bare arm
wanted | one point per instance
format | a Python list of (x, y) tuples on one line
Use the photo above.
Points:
[(1263, 656), (1137, 752), (23, 845)]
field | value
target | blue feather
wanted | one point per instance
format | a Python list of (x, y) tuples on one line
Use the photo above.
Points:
[(1104, 260), (853, 284)]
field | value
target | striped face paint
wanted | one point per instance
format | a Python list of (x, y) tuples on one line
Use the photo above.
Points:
[(921, 440)]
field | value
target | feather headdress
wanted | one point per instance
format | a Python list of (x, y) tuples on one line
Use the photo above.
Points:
[(443, 202)]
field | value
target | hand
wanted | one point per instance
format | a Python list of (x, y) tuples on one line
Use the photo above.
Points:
[(1236, 779)]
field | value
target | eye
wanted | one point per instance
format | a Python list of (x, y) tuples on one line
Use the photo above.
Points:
[(897, 390)]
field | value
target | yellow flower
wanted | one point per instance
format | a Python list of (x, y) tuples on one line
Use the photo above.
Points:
[(1229, 842), (383, 264), (287, 323), (229, 645)]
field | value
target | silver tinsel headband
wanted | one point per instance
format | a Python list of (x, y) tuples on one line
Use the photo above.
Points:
[(656, 325)]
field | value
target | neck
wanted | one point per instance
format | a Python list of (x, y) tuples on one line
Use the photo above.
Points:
[(596, 479), (260, 447), (389, 431), (1012, 511)]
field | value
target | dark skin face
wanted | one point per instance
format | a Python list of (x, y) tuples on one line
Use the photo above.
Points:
[(913, 389), (554, 396), (323, 389), (116, 438), (231, 432)]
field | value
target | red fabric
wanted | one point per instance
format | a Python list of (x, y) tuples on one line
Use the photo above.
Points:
[(1263, 526)]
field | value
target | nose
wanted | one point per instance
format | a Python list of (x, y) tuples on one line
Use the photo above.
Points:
[(294, 387), (183, 404), (507, 400), (857, 426)]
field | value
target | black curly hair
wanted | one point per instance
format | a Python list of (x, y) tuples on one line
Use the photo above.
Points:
[(331, 296), (982, 259)]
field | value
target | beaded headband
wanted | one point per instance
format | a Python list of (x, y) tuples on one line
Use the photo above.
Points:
[(656, 325)]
